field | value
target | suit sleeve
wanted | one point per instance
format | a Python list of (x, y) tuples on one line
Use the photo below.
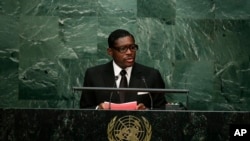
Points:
[(159, 99), (87, 97)]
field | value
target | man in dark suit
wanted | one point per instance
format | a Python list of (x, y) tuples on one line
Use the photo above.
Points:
[(122, 49)]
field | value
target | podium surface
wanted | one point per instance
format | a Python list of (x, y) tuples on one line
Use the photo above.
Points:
[(105, 125)]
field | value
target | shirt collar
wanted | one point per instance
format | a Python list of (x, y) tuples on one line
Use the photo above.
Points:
[(117, 70)]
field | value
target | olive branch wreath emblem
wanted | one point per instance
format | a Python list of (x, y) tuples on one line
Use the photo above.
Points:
[(146, 127)]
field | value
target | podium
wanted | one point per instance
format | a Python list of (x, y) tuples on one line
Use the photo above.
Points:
[(105, 125)]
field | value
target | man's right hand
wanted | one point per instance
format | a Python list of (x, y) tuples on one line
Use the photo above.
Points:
[(101, 106)]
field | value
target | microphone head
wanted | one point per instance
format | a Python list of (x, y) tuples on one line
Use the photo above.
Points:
[(140, 76), (143, 78), (116, 78)]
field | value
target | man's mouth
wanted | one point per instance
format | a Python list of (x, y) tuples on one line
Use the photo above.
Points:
[(129, 60)]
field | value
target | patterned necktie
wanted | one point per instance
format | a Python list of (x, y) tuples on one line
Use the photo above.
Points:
[(123, 84)]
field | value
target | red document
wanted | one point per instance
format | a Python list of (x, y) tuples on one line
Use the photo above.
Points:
[(120, 106)]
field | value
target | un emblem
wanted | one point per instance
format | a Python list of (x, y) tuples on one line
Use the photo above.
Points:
[(129, 128)]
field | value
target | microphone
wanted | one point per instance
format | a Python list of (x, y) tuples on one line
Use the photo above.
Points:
[(111, 94), (149, 94)]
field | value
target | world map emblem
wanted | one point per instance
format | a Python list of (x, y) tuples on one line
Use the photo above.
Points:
[(129, 128)]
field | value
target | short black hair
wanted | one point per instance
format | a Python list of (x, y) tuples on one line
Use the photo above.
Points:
[(116, 35)]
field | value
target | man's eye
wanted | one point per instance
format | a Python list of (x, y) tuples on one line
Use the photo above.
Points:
[(132, 47), (123, 48)]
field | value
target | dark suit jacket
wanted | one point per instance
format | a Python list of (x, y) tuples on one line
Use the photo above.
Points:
[(103, 76)]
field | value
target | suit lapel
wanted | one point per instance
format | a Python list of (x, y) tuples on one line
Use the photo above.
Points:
[(109, 78), (135, 79), (135, 82)]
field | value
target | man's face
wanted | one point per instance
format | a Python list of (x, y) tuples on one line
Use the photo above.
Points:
[(127, 58)]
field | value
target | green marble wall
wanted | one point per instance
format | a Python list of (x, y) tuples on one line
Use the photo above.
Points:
[(200, 45)]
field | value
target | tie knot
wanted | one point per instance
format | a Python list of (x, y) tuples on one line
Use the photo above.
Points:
[(123, 72)]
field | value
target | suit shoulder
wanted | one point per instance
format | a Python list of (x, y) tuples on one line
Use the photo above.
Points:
[(97, 69)]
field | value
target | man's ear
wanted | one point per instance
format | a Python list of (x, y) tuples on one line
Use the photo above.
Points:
[(110, 52)]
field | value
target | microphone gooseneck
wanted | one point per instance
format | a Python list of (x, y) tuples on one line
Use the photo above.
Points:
[(149, 94), (111, 94)]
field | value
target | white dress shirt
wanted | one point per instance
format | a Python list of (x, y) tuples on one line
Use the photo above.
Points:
[(117, 71)]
